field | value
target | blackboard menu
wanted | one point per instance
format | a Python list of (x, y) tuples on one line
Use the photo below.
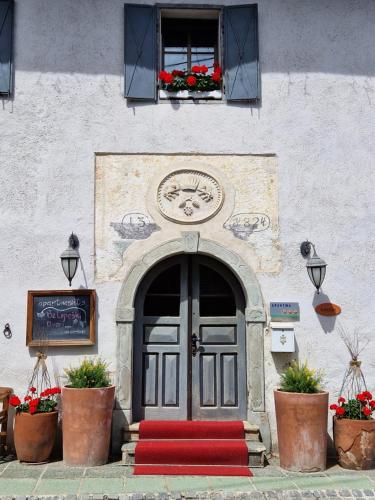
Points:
[(61, 317)]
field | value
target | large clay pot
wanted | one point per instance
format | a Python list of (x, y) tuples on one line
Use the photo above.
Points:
[(86, 424), (302, 430), (34, 436), (355, 443)]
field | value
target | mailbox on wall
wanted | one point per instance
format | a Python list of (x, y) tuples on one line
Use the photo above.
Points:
[(282, 337)]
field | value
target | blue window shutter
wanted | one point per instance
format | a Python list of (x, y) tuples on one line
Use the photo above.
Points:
[(6, 32), (140, 51), (241, 54)]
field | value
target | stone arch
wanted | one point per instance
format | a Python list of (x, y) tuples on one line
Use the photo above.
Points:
[(190, 242)]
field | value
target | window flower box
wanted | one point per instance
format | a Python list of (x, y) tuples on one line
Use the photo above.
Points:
[(194, 84), (190, 94)]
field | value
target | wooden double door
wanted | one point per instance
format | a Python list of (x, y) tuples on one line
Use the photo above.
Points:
[(189, 358)]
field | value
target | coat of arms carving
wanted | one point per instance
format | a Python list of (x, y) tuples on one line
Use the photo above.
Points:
[(189, 196)]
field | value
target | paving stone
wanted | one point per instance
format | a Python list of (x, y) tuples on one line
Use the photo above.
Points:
[(107, 486), (138, 484), (53, 486), (357, 493), (256, 495), (17, 486), (136, 496), (271, 494), (307, 494), (230, 483), (273, 483), (369, 493), (115, 471), (331, 493), (22, 471), (345, 493), (63, 472)]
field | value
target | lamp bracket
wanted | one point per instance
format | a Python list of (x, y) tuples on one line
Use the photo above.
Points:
[(73, 241), (305, 248)]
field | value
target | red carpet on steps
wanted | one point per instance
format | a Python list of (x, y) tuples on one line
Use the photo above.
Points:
[(191, 448), (190, 429)]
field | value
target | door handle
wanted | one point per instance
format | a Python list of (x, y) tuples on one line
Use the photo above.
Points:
[(194, 344)]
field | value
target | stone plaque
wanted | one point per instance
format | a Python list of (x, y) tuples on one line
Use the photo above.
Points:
[(189, 196)]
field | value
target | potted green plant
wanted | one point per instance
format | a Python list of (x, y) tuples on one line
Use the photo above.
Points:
[(354, 431), (301, 417), (35, 424), (87, 404)]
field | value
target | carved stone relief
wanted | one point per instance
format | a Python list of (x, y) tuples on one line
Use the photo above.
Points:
[(189, 196)]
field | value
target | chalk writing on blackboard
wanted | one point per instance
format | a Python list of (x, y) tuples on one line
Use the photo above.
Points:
[(61, 317)]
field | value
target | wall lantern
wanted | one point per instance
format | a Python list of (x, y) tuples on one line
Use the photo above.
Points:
[(316, 267), (70, 258)]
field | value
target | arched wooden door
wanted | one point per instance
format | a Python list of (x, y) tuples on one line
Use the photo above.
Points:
[(189, 346)]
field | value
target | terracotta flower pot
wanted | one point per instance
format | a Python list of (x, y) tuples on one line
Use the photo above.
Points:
[(34, 436), (302, 430), (355, 443), (86, 424)]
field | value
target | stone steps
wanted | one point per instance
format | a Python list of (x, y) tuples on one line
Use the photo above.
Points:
[(256, 448)]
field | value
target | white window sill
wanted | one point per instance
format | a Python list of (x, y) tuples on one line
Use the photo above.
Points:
[(190, 94)]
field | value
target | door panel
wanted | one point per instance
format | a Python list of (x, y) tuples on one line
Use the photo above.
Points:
[(183, 296), (161, 343), (218, 369)]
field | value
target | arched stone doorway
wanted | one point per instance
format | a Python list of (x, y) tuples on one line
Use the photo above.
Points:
[(189, 355), (190, 243)]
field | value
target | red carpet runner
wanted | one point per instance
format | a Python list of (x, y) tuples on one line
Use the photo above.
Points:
[(191, 448)]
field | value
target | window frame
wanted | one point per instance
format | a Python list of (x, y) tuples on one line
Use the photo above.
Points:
[(160, 7)]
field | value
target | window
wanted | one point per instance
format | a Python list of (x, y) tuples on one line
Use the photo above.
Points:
[(187, 37), (188, 42), (6, 29)]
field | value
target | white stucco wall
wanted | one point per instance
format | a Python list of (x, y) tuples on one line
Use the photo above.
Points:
[(317, 115)]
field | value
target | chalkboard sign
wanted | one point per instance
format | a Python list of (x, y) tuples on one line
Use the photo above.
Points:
[(60, 317)]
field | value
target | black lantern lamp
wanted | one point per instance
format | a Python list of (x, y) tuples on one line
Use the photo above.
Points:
[(316, 267), (70, 258)]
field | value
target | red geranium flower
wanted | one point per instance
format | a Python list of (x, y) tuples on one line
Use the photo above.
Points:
[(361, 397), (32, 389), (341, 399), (340, 411), (372, 404), (216, 77), (27, 398), (32, 409), (191, 81), (367, 395), (34, 402), (178, 72), (204, 69), (367, 411), (14, 401), (333, 407), (196, 69), (166, 77)]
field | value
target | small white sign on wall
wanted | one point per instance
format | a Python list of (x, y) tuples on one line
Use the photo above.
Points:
[(282, 337)]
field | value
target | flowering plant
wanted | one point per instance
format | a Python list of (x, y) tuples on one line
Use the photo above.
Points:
[(196, 79), (360, 408), (32, 403)]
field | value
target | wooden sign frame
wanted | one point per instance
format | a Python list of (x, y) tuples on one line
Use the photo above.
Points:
[(31, 342)]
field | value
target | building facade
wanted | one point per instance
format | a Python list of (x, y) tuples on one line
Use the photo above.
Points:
[(189, 212)]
